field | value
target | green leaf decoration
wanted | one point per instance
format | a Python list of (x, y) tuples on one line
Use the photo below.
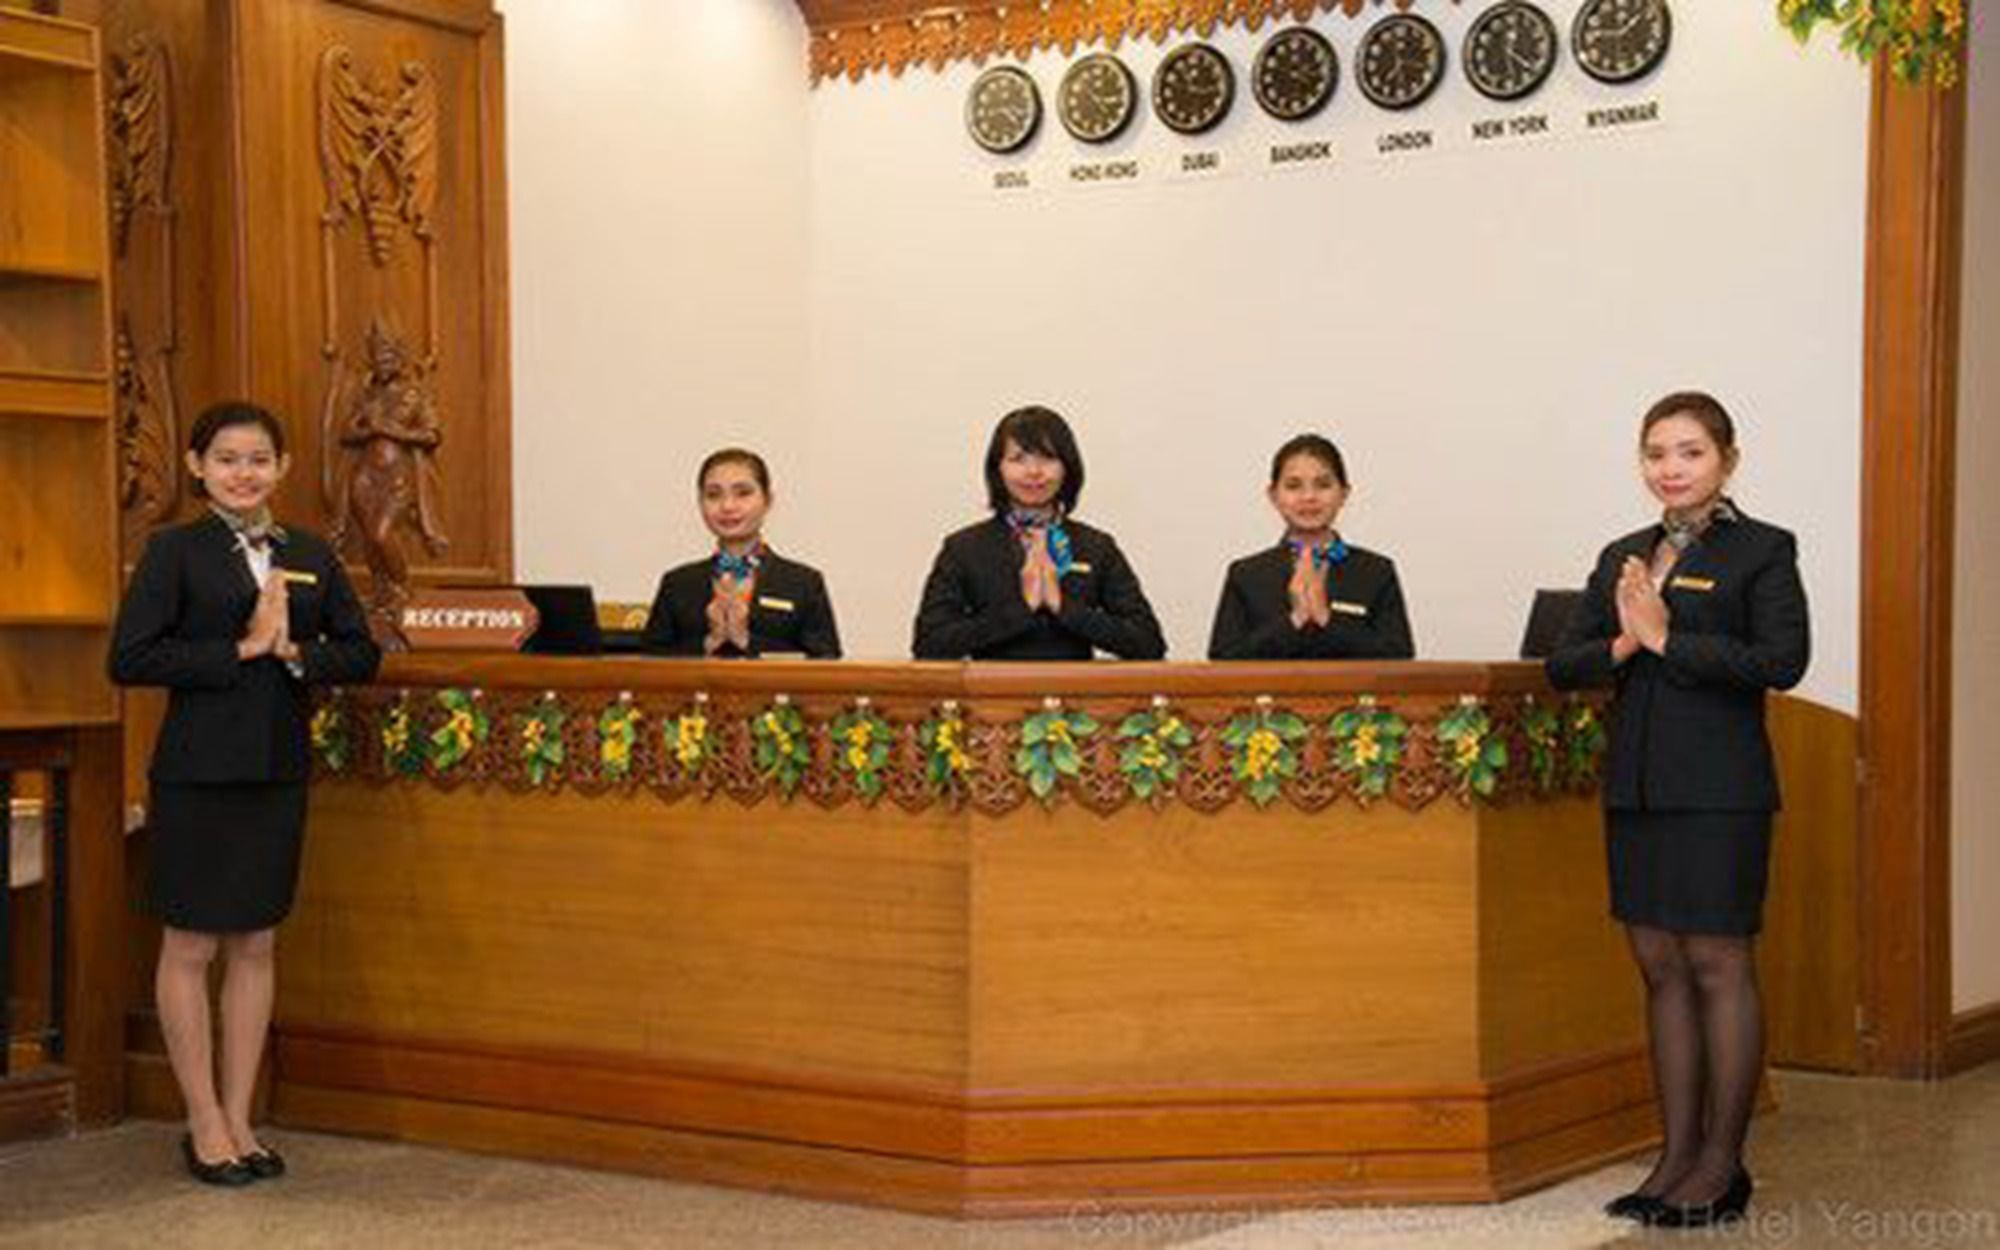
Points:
[(617, 734), (946, 761), (463, 729), (1584, 741), (1474, 756), (1541, 725), (1368, 745), (861, 742), (539, 740), (1923, 39), (1049, 748), (782, 751), (330, 740), (1262, 747), (1156, 743), (686, 741), (402, 749)]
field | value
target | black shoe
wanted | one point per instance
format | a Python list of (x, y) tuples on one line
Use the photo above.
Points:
[(1734, 1201), (265, 1164), (230, 1173), (1632, 1206)]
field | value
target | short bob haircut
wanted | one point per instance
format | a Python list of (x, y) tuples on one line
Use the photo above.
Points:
[(1319, 447), (231, 412), (1044, 432)]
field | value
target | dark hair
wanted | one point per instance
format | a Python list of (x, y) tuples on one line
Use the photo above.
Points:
[(1044, 432), (221, 416), (734, 455), (1700, 407), (1319, 447)]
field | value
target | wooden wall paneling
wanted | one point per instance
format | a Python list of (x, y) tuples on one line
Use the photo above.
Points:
[(1809, 954), (1916, 198)]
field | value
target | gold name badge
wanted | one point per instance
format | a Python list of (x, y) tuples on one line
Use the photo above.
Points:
[(1079, 566), (299, 577), (776, 605), (1348, 609), (1692, 583)]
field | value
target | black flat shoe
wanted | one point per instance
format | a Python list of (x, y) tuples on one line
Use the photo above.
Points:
[(230, 1173), (265, 1165), (1632, 1206), (1733, 1202)]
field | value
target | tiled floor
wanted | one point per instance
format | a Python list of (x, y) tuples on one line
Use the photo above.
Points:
[(1843, 1163)]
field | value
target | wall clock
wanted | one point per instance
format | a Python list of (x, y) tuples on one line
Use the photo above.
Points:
[(1619, 41), (1098, 98), (1003, 110), (1193, 88), (1401, 61), (1510, 50), (1295, 74)]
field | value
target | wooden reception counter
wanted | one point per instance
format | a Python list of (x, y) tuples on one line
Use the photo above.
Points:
[(972, 939)]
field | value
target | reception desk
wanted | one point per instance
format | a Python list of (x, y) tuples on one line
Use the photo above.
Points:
[(970, 939)]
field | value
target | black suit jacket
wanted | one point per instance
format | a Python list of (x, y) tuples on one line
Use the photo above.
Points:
[(789, 611), (231, 720), (1253, 621), (1687, 728), (972, 605)]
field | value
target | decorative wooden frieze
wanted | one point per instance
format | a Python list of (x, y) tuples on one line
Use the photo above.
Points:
[(753, 748), (139, 138), (938, 35)]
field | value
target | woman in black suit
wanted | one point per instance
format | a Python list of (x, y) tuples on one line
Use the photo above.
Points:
[(236, 616), (1032, 582), (745, 600), (1692, 620), (1311, 596)]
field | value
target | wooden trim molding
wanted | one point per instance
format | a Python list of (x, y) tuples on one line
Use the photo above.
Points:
[(976, 1153), (1910, 387), (1974, 1040), (855, 38)]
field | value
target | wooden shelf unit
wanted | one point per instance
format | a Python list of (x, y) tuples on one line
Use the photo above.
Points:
[(58, 441)]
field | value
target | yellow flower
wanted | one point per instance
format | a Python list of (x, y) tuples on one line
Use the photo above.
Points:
[(1059, 733), (857, 758), (1367, 749), (1170, 726), (533, 733), (859, 733), (322, 726), (1468, 750), (1261, 751)]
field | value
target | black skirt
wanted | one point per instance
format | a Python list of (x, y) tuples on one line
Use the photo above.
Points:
[(1689, 872), (226, 857)]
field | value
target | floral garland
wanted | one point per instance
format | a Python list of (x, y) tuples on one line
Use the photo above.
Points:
[(617, 734), (465, 727), (1156, 742), (1368, 743), (783, 753), (687, 739), (946, 761), (1049, 747), (1924, 40), (861, 739), (1262, 748), (540, 739), (1471, 749), (1474, 755)]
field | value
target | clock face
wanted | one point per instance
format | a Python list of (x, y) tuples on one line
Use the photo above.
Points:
[(1003, 110), (1098, 98), (1193, 88), (1401, 61), (1295, 74), (1619, 41), (1510, 51)]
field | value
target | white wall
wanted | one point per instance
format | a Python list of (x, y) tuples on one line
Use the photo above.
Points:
[(1975, 805), (657, 180), (1479, 330), (705, 250)]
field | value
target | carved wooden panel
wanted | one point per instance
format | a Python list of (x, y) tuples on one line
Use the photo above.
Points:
[(854, 38), (140, 145)]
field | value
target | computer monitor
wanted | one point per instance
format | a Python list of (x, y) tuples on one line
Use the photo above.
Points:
[(569, 621), (1546, 621)]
